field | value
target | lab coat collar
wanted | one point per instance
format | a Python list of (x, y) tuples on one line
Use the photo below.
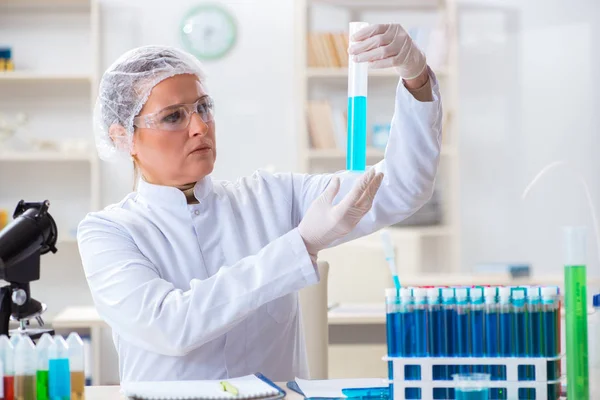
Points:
[(169, 196)]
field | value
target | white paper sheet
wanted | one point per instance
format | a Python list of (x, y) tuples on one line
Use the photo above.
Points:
[(333, 387)]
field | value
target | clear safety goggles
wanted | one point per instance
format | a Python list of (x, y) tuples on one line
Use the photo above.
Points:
[(177, 117)]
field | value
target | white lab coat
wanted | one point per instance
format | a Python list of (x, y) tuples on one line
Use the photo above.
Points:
[(210, 290)]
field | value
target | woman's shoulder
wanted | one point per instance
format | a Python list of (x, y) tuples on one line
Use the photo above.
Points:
[(114, 216)]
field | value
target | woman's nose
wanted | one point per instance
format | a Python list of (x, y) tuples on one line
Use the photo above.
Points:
[(197, 125)]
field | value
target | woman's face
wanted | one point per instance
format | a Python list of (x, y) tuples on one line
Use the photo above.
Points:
[(180, 157)]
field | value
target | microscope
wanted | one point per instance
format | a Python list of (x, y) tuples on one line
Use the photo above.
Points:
[(22, 242)]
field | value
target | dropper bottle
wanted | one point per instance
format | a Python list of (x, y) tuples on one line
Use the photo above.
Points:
[(59, 379), (76, 363), (7, 353), (43, 365), (25, 367)]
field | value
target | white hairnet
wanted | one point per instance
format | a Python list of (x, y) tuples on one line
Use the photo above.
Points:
[(125, 87)]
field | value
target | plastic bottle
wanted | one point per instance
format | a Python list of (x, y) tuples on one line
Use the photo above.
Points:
[(76, 363), (43, 365), (59, 378), (25, 368), (7, 355)]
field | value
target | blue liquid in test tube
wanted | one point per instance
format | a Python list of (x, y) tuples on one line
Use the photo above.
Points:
[(519, 326), (550, 321), (477, 325), (462, 326), (505, 328), (393, 329), (491, 345), (448, 329), (356, 157), (408, 345), (435, 337)]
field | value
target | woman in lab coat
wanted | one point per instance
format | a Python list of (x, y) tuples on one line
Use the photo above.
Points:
[(198, 278)]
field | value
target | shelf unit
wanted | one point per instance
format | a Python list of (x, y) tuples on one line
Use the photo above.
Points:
[(58, 94), (329, 160)]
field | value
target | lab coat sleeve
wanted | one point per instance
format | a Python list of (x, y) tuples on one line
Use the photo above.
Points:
[(151, 313), (409, 166)]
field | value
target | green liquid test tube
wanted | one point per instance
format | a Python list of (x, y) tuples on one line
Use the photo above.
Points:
[(41, 381), (576, 314)]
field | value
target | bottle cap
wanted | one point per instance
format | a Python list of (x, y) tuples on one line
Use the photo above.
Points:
[(41, 350), (490, 292), (7, 354), (76, 352), (433, 294), (58, 349), (549, 291), (504, 294), (391, 292), (533, 291), (25, 357), (405, 293), (461, 294)]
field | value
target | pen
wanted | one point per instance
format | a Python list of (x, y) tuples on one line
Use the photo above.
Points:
[(229, 388)]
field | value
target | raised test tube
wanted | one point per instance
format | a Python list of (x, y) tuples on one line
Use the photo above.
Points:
[(477, 325), (59, 377), (8, 364), (76, 364), (356, 157), (43, 364), (25, 368)]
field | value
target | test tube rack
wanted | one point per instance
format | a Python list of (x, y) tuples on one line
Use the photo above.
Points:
[(512, 384)]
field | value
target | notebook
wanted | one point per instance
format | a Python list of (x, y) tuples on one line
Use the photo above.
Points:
[(333, 388), (249, 387)]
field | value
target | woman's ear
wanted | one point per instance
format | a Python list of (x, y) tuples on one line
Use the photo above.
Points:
[(118, 134)]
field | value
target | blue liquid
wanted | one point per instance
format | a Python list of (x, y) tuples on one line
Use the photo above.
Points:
[(396, 283), (492, 346), (448, 333), (550, 342), (519, 334), (420, 333), (462, 337), (535, 339), (505, 339), (393, 329), (357, 134), (59, 378), (434, 334), (477, 335), (472, 394)]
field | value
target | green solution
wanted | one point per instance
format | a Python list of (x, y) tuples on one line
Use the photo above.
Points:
[(576, 314)]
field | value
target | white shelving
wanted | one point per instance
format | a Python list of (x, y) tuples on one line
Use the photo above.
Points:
[(46, 156), (35, 77)]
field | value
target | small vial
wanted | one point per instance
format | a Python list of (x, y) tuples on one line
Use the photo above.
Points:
[(59, 378), (357, 109), (25, 368), (7, 355), (43, 364), (76, 363)]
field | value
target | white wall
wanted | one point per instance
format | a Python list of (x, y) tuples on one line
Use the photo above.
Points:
[(530, 74)]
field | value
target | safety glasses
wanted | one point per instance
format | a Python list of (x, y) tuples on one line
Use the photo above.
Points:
[(177, 117)]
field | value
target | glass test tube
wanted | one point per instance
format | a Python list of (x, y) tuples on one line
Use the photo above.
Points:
[(420, 321), (549, 327), (477, 325), (408, 339), (461, 322), (449, 330), (505, 329), (25, 369), (534, 322), (76, 364), (575, 240), (7, 356), (393, 328), (519, 327), (436, 339), (492, 344), (43, 364), (356, 157), (59, 377)]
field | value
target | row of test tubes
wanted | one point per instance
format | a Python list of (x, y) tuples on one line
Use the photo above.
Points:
[(52, 369), (475, 322)]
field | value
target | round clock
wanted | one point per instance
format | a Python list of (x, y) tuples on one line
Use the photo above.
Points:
[(208, 31)]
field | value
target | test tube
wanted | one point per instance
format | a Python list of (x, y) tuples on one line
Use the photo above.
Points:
[(436, 338), (8, 365), (477, 325), (59, 379), (549, 328), (492, 345), (25, 368), (420, 317), (76, 364), (534, 322), (519, 327), (504, 326), (408, 340), (448, 327), (393, 328), (41, 381), (462, 325), (356, 157)]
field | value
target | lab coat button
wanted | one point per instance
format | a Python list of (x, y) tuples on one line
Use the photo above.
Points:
[(197, 212)]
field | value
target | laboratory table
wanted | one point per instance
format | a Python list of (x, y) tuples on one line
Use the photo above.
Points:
[(112, 393)]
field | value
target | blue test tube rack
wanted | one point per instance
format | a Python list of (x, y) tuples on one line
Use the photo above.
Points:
[(427, 384)]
